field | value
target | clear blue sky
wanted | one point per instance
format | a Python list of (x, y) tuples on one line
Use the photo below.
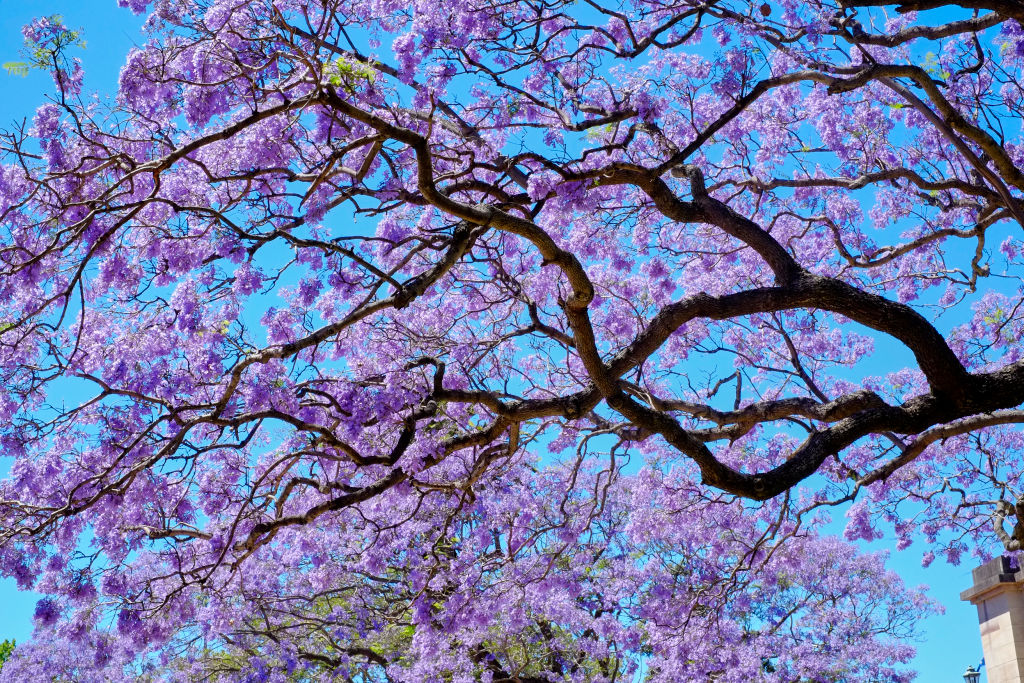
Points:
[(951, 641)]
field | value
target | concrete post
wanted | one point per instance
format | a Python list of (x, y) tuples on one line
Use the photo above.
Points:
[(998, 593)]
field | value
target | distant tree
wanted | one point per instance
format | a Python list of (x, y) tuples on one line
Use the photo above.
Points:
[(6, 648), (509, 341)]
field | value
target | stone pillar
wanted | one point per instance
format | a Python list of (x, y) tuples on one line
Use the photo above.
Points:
[(998, 593)]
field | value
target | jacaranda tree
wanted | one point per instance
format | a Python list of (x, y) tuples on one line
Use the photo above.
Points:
[(519, 340)]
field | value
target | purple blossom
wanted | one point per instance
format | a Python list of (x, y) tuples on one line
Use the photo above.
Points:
[(458, 342)]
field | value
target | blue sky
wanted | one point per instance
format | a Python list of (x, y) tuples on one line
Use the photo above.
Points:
[(950, 641)]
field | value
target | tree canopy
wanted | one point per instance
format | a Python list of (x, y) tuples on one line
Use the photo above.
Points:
[(519, 340)]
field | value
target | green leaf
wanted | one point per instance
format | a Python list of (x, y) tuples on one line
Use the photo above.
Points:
[(995, 318), (16, 69), (6, 649)]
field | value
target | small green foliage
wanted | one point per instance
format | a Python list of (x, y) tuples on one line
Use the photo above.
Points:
[(995, 318), (931, 65), (599, 132), (17, 68), (349, 75), (6, 650), (40, 53)]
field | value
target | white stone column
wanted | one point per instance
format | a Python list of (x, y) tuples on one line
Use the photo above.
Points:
[(998, 593)]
